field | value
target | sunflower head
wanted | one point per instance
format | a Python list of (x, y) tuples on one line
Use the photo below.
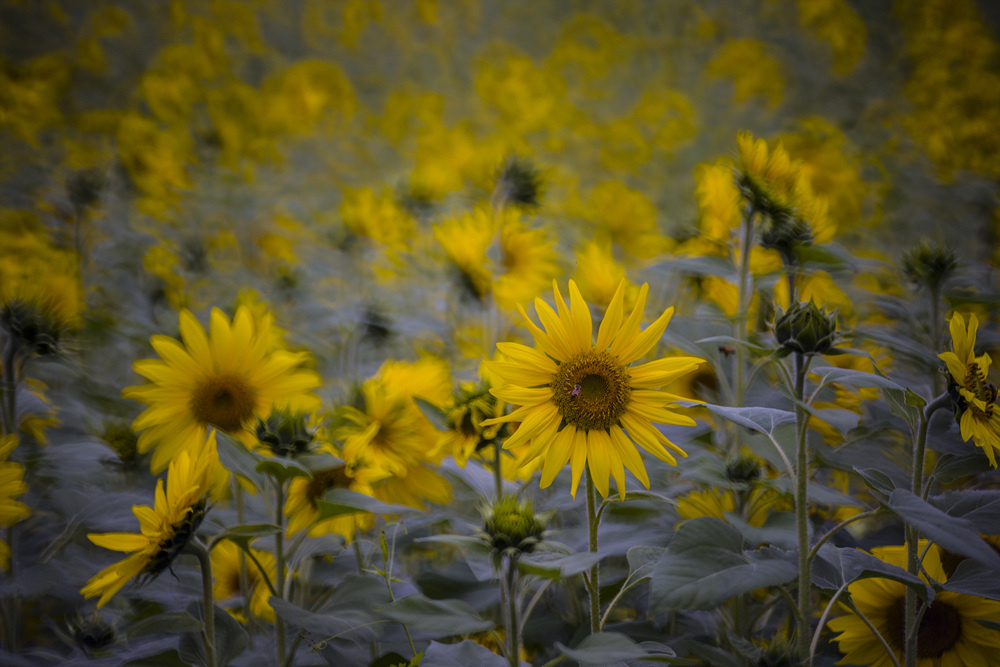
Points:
[(767, 176), (929, 265), (786, 233), (92, 633), (34, 328), (174, 543), (518, 183), (805, 329), (285, 433), (512, 527)]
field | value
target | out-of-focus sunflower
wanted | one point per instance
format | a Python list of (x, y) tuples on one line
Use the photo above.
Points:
[(165, 529), (302, 505), (391, 435), (472, 405), (12, 485), (226, 379), (582, 402), (528, 261), (226, 570), (949, 632), (972, 393)]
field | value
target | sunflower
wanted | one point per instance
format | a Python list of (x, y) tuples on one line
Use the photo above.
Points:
[(226, 380), (949, 632), (467, 435), (165, 528), (974, 397), (582, 402), (12, 485), (302, 505), (226, 569)]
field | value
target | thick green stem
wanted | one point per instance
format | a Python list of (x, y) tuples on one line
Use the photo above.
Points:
[(802, 508), (497, 472), (279, 566), (744, 291), (513, 636), (201, 553), (912, 535), (594, 587)]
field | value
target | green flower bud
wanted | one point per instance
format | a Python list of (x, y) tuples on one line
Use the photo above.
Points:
[(744, 469), (806, 329), (785, 233), (284, 433), (512, 526), (518, 183), (929, 265)]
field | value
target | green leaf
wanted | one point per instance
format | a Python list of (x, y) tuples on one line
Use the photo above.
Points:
[(954, 534), (705, 565), (319, 461), (735, 342), (982, 508), (608, 648), (282, 469), (244, 535), (836, 566), (876, 480), (440, 618), (906, 404), (642, 560), (848, 377), (357, 626), (337, 502), (950, 468), (557, 566), (169, 622), (236, 458), (435, 415), (972, 578), (462, 654), (231, 639), (762, 420)]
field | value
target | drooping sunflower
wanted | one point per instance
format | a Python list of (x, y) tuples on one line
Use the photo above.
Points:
[(226, 570), (12, 485), (226, 379), (582, 401), (974, 396), (165, 528), (949, 632)]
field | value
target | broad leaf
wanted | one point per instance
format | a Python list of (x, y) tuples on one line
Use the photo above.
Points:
[(244, 535), (972, 578), (351, 624), (462, 654), (848, 377), (982, 508), (876, 480), (836, 566), (282, 469), (557, 566), (608, 648), (907, 404), (954, 534), (763, 420), (705, 565), (441, 618), (336, 502), (231, 639), (169, 622), (236, 458)]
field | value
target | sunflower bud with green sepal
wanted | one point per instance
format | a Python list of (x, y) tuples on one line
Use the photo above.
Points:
[(806, 329), (512, 527), (285, 433)]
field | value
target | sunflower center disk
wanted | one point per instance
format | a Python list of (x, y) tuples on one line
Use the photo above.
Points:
[(225, 401), (324, 480), (591, 391), (940, 628)]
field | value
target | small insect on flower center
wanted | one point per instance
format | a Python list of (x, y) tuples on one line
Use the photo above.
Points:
[(225, 401), (591, 390)]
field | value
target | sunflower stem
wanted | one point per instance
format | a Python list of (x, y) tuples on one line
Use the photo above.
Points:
[(201, 553), (514, 640), (594, 587), (497, 474), (279, 566), (743, 305), (913, 558), (802, 507)]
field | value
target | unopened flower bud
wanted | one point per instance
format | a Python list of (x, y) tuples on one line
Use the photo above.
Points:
[(513, 527), (806, 329), (285, 433)]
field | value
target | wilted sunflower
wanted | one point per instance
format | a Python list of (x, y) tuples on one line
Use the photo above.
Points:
[(949, 632), (581, 401), (226, 379), (974, 395), (165, 528), (226, 569)]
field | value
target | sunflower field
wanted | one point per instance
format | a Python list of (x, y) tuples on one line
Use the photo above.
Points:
[(465, 332)]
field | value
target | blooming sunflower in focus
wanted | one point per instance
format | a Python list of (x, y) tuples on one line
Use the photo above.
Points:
[(973, 395), (12, 485), (165, 528), (226, 569), (581, 401), (225, 379), (949, 632)]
